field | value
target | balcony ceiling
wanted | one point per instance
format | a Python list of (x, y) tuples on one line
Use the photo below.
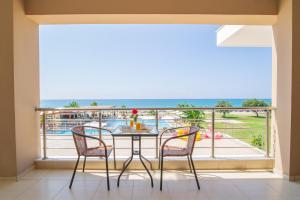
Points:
[(155, 11)]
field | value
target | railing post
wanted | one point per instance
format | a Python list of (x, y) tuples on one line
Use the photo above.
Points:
[(156, 119), (213, 134), (100, 126), (44, 137), (268, 134), (156, 125)]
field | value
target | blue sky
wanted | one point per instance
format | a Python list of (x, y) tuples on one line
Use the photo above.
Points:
[(148, 61)]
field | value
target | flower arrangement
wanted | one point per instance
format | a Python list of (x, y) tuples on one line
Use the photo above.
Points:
[(134, 114)]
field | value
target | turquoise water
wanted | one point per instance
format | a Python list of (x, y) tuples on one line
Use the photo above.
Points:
[(149, 122), (138, 103), (112, 124)]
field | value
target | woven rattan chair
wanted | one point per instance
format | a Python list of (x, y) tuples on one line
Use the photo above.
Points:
[(80, 140), (187, 150)]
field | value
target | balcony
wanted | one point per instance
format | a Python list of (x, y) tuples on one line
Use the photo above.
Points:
[(20, 91), (238, 141)]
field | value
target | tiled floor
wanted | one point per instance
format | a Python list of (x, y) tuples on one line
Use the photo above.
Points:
[(50, 184)]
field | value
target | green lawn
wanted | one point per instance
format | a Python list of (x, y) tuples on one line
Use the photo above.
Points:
[(248, 128)]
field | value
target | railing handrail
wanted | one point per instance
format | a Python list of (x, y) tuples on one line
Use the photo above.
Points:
[(41, 109)]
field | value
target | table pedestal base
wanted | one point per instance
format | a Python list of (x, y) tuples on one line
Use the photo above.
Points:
[(141, 157)]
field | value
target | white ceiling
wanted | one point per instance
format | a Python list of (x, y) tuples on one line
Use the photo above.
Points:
[(244, 36)]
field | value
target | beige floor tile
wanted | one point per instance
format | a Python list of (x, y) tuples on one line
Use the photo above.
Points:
[(142, 190), (217, 189), (124, 191), (135, 185), (80, 190), (44, 189), (12, 189), (197, 194), (284, 187), (39, 174)]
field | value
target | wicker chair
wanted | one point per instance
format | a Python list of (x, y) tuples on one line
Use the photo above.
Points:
[(80, 140), (187, 150)]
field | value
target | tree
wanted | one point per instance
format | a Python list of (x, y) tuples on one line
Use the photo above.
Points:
[(224, 104), (193, 116), (73, 104), (255, 103), (94, 103)]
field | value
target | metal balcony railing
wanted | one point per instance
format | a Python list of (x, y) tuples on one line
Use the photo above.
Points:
[(240, 134)]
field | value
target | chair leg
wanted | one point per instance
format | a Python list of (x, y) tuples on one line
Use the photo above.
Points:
[(161, 171), (114, 152), (107, 173), (84, 164), (189, 163), (72, 179), (159, 161), (192, 162)]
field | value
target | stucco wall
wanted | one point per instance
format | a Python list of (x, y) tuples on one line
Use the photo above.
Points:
[(26, 79), (286, 88), (282, 93), (295, 142), (7, 110), (19, 87)]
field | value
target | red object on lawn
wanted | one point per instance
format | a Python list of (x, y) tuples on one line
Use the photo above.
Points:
[(208, 134)]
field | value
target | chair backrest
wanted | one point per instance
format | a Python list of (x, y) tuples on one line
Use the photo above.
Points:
[(79, 139), (193, 130)]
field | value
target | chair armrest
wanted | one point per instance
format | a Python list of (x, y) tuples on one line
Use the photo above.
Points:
[(94, 127), (94, 138)]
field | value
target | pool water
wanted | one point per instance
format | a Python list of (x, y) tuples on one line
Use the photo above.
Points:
[(111, 124), (149, 122)]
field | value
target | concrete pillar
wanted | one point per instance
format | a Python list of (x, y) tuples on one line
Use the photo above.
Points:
[(19, 87), (295, 128), (286, 90), (7, 109)]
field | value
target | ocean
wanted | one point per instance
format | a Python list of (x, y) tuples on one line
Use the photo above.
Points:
[(139, 103)]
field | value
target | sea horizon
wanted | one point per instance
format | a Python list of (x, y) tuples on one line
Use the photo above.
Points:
[(148, 103)]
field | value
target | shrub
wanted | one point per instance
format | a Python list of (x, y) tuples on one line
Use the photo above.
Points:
[(257, 141), (73, 104)]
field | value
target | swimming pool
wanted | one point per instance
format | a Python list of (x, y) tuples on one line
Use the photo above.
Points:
[(149, 122), (111, 124)]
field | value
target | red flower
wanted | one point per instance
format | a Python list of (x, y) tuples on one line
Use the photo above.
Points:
[(134, 111)]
